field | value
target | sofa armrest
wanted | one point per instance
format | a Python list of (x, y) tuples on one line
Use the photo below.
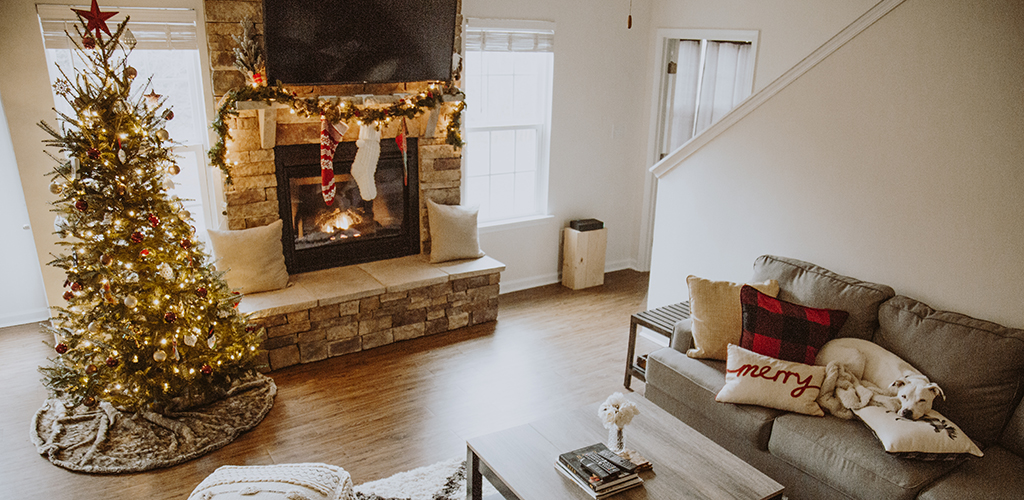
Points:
[(682, 336)]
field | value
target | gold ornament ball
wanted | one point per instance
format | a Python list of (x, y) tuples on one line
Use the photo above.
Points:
[(130, 73), (106, 259), (162, 134), (159, 355), (184, 215), (56, 187), (174, 169), (130, 301)]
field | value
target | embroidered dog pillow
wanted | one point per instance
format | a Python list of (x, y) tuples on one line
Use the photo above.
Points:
[(931, 437), (753, 379)]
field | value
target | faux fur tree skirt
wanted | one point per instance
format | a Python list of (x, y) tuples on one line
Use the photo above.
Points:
[(105, 440)]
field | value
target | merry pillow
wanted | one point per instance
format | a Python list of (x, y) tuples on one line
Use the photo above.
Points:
[(753, 379), (785, 330)]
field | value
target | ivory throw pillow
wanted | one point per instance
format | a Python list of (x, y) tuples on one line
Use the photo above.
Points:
[(753, 379), (785, 330), (252, 259), (453, 233), (932, 437), (717, 314)]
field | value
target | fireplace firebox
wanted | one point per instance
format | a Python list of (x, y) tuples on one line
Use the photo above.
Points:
[(350, 230)]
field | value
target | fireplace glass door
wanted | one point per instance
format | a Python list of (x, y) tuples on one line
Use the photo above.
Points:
[(350, 230)]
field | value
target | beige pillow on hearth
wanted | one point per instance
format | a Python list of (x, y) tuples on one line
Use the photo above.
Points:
[(253, 258), (717, 314), (453, 233)]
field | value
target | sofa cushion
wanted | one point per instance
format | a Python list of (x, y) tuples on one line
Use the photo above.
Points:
[(978, 364), (752, 378), (716, 314), (695, 382), (845, 455), (1013, 435), (810, 285), (1000, 474), (785, 330)]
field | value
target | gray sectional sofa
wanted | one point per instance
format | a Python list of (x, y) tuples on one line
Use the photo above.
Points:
[(979, 364)]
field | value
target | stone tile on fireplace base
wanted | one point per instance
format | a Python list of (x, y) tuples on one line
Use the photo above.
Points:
[(338, 311)]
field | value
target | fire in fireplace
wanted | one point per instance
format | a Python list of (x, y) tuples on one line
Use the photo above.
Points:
[(350, 230)]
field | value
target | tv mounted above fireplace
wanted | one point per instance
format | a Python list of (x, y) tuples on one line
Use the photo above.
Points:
[(320, 42)]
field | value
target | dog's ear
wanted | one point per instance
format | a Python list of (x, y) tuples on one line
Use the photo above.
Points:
[(900, 382), (938, 390)]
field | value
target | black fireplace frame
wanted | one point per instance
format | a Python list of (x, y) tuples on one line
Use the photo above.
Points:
[(303, 160)]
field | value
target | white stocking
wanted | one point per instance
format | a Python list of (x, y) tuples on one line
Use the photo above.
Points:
[(365, 164)]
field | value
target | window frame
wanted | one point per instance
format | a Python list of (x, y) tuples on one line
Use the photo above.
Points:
[(542, 172)]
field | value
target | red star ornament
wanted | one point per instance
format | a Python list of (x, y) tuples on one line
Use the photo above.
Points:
[(97, 20)]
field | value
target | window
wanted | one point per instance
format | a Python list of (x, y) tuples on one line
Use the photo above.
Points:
[(508, 79), (168, 50), (706, 78)]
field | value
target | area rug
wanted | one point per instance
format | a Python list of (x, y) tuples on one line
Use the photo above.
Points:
[(441, 481), (105, 440)]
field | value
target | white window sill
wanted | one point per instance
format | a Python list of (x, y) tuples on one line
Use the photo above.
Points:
[(518, 223)]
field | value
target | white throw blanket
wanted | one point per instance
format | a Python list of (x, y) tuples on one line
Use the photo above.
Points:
[(842, 392)]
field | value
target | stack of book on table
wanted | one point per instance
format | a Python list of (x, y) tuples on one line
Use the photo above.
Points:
[(598, 471)]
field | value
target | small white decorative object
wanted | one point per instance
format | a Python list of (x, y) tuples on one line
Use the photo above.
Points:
[(190, 340), (617, 412), (166, 272)]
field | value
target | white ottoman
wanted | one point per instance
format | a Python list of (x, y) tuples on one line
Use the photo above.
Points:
[(276, 482)]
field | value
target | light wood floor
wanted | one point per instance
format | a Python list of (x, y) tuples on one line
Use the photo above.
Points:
[(373, 413)]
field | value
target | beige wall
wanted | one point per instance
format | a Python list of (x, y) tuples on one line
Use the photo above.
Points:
[(897, 160)]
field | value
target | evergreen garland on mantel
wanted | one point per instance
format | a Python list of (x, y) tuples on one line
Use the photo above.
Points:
[(249, 60)]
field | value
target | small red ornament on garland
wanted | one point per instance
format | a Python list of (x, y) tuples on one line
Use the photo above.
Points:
[(76, 286), (170, 317), (201, 292), (82, 205), (68, 295), (88, 42), (206, 369), (144, 252), (89, 370), (137, 237), (112, 361), (61, 348), (186, 243), (89, 401), (93, 153), (153, 220)]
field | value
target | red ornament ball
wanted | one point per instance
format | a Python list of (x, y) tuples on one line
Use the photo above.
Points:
[(89, 370), (68, 295), (170, 317), (82, 205), (93, 153), (61, 348), (144, 252), (112, 361), (186, 243), (153, 220), (201, 292), (88, 42), (137, 237), (76, 286), (206, 369)]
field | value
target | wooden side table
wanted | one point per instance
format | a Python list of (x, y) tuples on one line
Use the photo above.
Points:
[(660, 320)]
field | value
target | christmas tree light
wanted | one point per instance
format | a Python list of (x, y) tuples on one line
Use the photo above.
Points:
[(147, 318)]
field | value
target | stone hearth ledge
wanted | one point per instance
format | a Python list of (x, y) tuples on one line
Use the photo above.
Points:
[(337, 311)]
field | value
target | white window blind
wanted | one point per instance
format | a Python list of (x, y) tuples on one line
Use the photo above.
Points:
[(153, 28), (498, 40)]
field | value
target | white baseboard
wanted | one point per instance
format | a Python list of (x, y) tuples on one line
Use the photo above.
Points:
[(32, 316), (551, 278)]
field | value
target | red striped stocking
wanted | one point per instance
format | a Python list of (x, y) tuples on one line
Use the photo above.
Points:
[(330, 136)]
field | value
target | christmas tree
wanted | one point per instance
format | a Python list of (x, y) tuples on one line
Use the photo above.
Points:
[(147, 318)]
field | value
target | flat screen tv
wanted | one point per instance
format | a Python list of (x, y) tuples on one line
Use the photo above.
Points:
[(322, 42)]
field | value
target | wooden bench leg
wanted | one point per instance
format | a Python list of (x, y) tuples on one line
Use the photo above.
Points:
[(630, 350)]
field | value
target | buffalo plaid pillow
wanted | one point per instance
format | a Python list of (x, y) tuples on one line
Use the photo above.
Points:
[(783, 330)]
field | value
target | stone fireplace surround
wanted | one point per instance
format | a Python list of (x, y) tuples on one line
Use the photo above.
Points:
[(342, 310)]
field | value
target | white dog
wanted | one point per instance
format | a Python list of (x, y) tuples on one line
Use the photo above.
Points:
[(901, 387)]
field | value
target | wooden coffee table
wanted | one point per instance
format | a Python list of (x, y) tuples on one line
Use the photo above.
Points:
[(520, 462)]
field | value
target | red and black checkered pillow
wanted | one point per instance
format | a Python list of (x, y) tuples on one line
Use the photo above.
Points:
[(783, 330)]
